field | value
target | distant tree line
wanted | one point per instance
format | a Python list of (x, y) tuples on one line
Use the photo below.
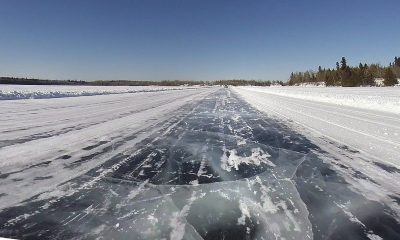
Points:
[(32, 81), (241, 82), (144, 83), (349, 76)]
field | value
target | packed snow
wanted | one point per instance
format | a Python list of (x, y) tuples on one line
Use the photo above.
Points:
[(10, 92)]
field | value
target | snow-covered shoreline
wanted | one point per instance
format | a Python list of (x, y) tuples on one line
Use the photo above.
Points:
[(14, 92)]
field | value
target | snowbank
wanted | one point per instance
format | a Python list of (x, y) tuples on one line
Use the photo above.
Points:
[(378, 99), (12, 92)]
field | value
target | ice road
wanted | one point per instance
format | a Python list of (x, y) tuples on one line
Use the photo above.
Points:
[(183, 164)]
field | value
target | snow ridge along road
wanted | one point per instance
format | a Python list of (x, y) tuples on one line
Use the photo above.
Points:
[(378, 99), (13, 92), (193, 164)]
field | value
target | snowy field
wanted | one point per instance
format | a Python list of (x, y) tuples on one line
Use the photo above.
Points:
[(9, 92), (198, 163)]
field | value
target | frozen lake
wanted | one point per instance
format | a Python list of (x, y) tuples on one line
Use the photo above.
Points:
[(184, 164)]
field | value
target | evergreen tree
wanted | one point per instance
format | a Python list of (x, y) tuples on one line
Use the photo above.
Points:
[(346, 77), (343, 64), (390, 78), (362, 75), (396, 67), (329, 78), (368, 79), (397, 61)]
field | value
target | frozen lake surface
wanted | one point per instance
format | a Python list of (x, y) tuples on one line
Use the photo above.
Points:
[(185, 164)]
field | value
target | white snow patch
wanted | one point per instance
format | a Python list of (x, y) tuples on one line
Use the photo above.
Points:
[(373, 236), (245, 213), (257, 157)]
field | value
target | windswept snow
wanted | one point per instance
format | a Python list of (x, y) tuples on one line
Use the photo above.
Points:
[(10, 92)]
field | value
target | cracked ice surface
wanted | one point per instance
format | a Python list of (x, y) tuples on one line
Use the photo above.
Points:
[(216, 169), (201, 176)]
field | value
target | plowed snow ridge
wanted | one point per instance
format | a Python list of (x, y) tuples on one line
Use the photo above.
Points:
[(12, 92)]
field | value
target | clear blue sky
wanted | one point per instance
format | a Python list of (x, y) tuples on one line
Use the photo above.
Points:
[(192, 39)]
